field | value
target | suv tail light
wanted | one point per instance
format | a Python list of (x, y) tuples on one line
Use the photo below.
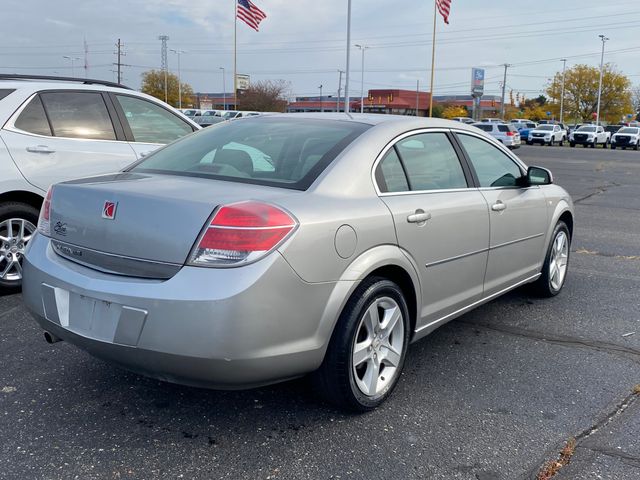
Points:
[(242, 233), (44, 220), (511, 134)]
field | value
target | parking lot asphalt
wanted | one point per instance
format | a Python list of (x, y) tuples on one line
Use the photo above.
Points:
[(492, 395)]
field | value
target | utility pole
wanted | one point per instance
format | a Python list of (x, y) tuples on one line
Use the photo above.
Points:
[(346, 80), (504, 86), (86, 58), (417, 96), (564, 67), (362, 48), (224, 91), (178, 52), (119, 53), (339, 90), (164, 63), (321, 104), (604, 39)]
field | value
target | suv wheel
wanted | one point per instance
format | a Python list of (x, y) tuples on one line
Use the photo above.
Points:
[(366, 353), (17, 225)]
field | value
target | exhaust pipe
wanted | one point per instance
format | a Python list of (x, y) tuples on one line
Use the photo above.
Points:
[(51, 338)]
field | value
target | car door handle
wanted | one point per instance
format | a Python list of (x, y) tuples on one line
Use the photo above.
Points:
[(40, 149), (499, 206), (419, 217)]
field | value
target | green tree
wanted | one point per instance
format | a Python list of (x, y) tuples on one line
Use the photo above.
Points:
[(153, 84), (581, 93), (264, 96)]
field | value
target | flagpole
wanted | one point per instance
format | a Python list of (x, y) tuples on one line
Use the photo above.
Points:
[(235, 54), (433, 59)]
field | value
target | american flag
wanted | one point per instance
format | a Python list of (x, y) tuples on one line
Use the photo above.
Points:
[(250, 14), (444, 7)]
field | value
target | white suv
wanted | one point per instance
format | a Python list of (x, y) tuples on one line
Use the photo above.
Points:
[(503, 132), (56, 129)]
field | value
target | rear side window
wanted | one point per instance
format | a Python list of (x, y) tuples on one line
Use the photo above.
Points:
[(493, 167), (486, 128), (150, 123), (283, 152), (390, 174), (33, 119), (431, 162), (503, 128), (78, 115), (5, 91)]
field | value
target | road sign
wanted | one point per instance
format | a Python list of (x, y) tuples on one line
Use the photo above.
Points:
[(242, 81), (477, 82)]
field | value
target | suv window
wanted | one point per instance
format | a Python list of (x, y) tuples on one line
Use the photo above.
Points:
[(78, 115), (486, 128), (150, 123), (390, 174), (33, 119), (493, 167), (431, 162), (503, 128)]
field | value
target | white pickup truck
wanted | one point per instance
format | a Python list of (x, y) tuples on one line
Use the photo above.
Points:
[(590, 135), (547, 134)]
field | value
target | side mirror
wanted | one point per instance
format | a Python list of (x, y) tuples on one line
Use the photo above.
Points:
[(539, 176)]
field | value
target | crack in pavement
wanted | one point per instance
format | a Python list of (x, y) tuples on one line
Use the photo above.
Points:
[(599, 189), (610, 452), (563, 340), (584, 251)]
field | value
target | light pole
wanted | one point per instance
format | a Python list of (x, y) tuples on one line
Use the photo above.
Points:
[(604, 39), (321, 104), (178, 52), (224, 91), (564, 67), (504, 86), (362, 48), (346, 78), (339, 90), (73, 59)]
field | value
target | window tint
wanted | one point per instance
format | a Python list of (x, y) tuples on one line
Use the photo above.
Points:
[(504, 128), (390, 174), (431, 162), (150, 123), (281, 152), (33, 119), (486, 128), (78, 115), (493, 167)]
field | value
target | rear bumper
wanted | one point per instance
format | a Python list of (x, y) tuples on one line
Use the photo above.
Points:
[(219, 328)]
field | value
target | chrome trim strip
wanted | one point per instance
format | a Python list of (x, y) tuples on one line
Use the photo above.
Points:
[(457, 257), (478, 302), (530, 237), (115, 264)]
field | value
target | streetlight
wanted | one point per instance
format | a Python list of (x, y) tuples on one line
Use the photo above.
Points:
[(178, 52), (362, 48), (604, 39), (224, 91), (564, 67), (73, 72), (321, 104), (339, 90), (346, 80)]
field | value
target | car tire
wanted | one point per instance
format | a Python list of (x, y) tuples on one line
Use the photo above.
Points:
[(22, 219), (572, 144), (613, 147), (636, 146), (551, 142), (337, 380), (553, 275), (561, 143)]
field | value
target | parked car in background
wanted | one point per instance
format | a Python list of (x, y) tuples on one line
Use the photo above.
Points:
[(492, 120), (56, 129), (506, 134), (626, 137), (590, 136), (146, 282), (546, 134), (520, 121), (208, 120), (463, 120), (612, 129), (191, 112), (525, 129), (573, 128)]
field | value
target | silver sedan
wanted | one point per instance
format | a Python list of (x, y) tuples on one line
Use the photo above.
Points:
[(273, 247)]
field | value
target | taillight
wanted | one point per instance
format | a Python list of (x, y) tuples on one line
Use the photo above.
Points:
[(511, 134), (241, 233), (44, 221)]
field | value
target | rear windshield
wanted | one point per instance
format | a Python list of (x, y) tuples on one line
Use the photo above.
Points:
[(628, 130), (5, 91), (281, 152), (506, 128)]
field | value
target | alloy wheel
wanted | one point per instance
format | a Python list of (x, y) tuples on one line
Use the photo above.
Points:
[(559, 260), (15, 234), (378, 346)]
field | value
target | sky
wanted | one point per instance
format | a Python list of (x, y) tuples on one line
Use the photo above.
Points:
[(304, 42)]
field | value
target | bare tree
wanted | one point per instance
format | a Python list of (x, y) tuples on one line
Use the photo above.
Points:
[(265, 96)]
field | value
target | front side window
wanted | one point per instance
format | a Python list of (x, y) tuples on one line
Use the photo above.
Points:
[(150, 123), (78, 115), (33, 119), (493, 167), (431, 162)]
